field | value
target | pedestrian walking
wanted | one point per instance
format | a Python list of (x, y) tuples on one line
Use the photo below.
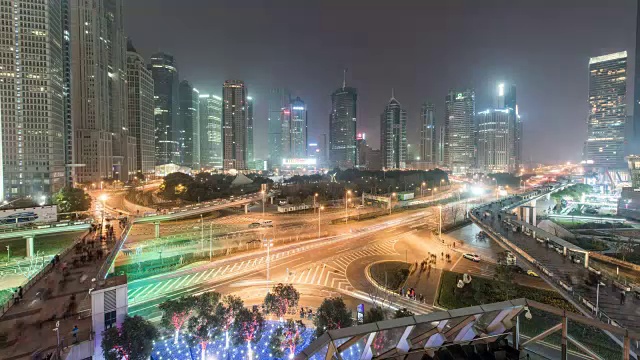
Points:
[(20, 292)]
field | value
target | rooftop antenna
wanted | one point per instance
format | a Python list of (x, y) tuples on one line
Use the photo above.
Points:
[(392, 94), (344, 78)]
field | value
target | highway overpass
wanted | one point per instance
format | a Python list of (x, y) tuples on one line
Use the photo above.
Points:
[(31, 231)]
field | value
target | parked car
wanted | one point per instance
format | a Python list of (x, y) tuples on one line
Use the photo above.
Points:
[(472, 257)]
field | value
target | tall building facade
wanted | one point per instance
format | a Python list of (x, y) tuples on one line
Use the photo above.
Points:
[(361, 150), (90, 113), (250, 153), (234, 125), (342, 127), (69, 155), (188, 103), (459, 130), (393, 135), (165, 94), (428, 134), (495, 140), (140, 112), (31, 99), (278, 100), (634, 139), (298, 129), (210, 131), (124, 147), (604, 147), (506, 99)]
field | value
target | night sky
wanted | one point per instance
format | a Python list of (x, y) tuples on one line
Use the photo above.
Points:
[(421, 48)]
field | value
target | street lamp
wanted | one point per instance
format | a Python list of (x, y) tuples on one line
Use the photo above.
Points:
[(201, 233), (440, 223), (319, 210), (315, 196), (422, 189), (262, 192), (103, 198), (346, 210), (393, 195), (268, 243), (598, 296)]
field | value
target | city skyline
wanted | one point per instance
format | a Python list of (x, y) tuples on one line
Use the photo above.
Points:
[(550, 75)]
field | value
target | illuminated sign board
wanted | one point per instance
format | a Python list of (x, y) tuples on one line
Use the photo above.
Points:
[(307, 161)]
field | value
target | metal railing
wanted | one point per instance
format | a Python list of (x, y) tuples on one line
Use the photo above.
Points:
[(45, 270)]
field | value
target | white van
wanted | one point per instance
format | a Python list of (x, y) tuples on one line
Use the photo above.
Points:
[(266, 223)]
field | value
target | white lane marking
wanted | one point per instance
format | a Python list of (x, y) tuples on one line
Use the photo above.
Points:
[(314, 275), (225, 270), (320, 276)]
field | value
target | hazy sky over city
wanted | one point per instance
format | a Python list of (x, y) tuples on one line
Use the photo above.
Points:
[(420, 48)]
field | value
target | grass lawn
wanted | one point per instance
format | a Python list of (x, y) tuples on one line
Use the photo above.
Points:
[(49, 245), (484, 291)]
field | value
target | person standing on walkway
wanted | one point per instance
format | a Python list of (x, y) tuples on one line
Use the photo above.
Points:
[(20, 292), (75, 333)]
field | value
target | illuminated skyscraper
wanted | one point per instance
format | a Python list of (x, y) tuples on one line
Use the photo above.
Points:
[(31, 99), (459, 130), (165, 82), (495, 140), (210, 131), (342, 127), (188, 119), (428, 134), (298, 129), (393, 135), (250, 153), (278, 100), (607, 111), (234, 125), (140, 112)]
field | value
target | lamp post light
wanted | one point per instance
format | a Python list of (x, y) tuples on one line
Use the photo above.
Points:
[(315, 196), (319, 210), (598, 296), (268, 243), (210, 240), (422, 189), (393, 195), (103, 198), (346, 202), (201, 233), (440, 223), (262, 192)]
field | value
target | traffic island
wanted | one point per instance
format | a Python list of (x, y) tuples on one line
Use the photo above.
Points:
[(485, 291), (390, 275)]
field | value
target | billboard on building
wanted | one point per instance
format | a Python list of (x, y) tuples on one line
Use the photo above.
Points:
[(41, 214), (302, 161)]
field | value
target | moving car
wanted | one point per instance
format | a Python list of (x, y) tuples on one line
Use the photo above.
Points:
[(472, 257), (254, 225), (532, 273)]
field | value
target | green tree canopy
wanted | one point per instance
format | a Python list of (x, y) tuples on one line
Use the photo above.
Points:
[(247, 327), (133, 340), (175, 313), (374, 314), (286, 337), (400, 313), (281, 298), (71, 199), (332, 314)]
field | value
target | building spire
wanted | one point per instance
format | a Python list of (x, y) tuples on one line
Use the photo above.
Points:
[(393, 96), (344, 78)]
